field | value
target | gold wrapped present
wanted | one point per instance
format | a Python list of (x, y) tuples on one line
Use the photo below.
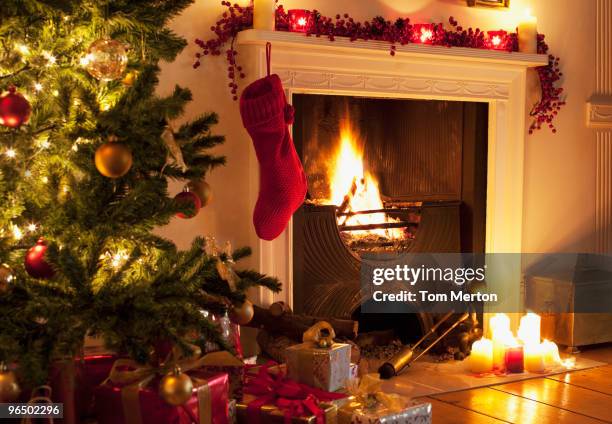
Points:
[(369, 405), (326, 368)]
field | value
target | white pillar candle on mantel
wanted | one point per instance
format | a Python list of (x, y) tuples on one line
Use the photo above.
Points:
[(528, 33), (264, 14), (481, 357)]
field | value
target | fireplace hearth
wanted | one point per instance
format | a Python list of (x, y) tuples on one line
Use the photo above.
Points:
[(390, 175)]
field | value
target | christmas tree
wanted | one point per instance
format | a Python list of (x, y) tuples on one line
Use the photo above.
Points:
[(87, 150)]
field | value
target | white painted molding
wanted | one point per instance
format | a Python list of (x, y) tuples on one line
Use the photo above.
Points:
[(377, 48), (318, 66), (376, 83), (599, 117), (599, 114)]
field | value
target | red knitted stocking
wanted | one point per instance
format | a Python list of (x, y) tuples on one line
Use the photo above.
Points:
[(282, 183)]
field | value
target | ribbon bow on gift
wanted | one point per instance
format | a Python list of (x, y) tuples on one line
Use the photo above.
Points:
[(366, 395), (291, 397), (321, 334), (132, 377)]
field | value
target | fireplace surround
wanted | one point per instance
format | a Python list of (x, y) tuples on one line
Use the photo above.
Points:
[(318, 66)]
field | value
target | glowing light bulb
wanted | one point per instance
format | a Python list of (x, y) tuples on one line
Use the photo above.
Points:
[(118, 259), (38, 86), (45, 180), (44, 142), (496, 40), (17, 234), (55, 93), (51, 60), (22, 48), (302, 21), (32, 227), (85, 60), (10, 153)]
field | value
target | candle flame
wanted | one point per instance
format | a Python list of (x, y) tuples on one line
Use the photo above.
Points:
[(426, 35), (528, 337)]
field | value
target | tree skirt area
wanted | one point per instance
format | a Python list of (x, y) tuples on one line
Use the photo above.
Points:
[(426, 377)]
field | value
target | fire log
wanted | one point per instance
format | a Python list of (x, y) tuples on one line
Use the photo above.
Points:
[(293, 326)]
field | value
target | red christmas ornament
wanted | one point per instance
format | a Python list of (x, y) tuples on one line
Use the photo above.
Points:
[(35, 262), (188, 198), (14, 108)]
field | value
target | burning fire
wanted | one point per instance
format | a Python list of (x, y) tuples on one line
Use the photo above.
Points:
[(351, 183)]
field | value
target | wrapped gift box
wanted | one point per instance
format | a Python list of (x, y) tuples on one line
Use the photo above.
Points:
[(357, 413), (225, 362), (324, 368), (73, 382), (130, 404), (270, 414)]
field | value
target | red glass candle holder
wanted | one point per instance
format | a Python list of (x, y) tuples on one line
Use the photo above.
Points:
[(497, 40), (299, 20), (423, 33), (514, 359)]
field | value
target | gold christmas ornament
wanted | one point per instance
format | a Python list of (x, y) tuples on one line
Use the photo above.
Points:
[(129, 78), (106, 59), (202, 189), (176, 387), (9, 388), (113, 160), (6, 277), (242, 314)]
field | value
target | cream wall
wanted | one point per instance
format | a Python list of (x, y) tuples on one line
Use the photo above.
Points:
[(559, 168)]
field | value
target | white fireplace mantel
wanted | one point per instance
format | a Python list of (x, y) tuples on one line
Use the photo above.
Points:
[(365, 68)]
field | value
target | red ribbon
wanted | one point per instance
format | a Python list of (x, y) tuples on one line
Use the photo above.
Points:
[(291, 397)]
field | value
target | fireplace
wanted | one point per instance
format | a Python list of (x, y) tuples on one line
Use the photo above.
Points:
[(309, 66), (385, 175)]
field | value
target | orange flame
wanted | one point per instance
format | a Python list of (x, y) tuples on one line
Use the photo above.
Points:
[(347, 169), (528, 336)]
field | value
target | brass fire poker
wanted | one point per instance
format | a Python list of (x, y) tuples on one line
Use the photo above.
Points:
[(405, 356)]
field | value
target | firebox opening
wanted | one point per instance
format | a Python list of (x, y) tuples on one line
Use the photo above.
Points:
[(383, 175)]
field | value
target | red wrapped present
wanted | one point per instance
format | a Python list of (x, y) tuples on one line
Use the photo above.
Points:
[(223, 361), (73, 382), (273, 398), (130, 396)]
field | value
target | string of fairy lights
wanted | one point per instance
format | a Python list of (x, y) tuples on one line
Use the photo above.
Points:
[(106, 60)]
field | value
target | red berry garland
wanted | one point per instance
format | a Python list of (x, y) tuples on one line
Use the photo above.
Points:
[(402, 31)]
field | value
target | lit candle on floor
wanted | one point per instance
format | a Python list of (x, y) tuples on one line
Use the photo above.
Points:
[(501, 341), (529, 329), (481, 357), (499, 325), (551, 354), (514, 359), (528, 33), (264, 14), (534, 358)]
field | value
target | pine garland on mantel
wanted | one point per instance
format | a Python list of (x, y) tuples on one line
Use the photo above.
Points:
[(238, 18)]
